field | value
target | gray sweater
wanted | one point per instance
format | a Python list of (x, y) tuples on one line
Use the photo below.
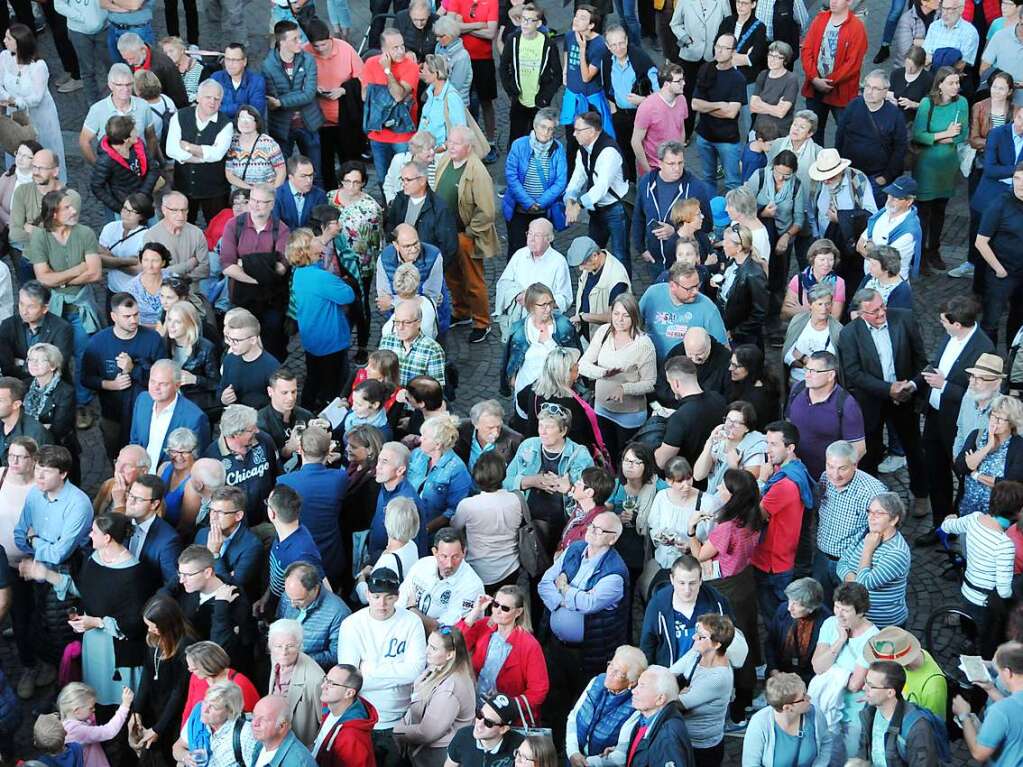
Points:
[(706, 704)]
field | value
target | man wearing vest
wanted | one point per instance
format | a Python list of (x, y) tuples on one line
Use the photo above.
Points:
[(586, 610), (197, 140), (598, 184), (898, 225), (252, 257), (656, 733)]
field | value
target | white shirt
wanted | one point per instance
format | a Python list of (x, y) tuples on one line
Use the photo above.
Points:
[(809, 341), (949, 355), (159, 423), (265, 757), (904, 244), (551, 269), (446, 601), (329, 721), (883, 343), (607, 177), (210, 152)]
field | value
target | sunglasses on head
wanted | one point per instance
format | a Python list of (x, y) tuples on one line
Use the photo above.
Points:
[(487, 722)]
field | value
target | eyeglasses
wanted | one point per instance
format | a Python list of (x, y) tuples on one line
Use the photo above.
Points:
[(183, 574), (407, 245), (231, 340), (349, 181), (285, 647), (543, 305), (593, 526), (487, 722), (409, 180), (328, 682), (632, 461), (405, 323), (816, 370), (523, 757), (552, 408), (734, 422), (139, 498), (504, 608), (687, 288), (582, 129)]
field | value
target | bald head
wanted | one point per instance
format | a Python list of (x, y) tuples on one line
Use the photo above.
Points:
[(271, 721), (697, 345), (207, 475), (604, 531), (132, 462)]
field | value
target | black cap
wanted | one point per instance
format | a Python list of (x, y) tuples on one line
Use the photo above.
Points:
[(503, 705), (383, 580)]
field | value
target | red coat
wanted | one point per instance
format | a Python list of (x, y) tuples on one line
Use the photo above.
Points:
[(852, 45), (350, 743), (525, 671), (992, 11)]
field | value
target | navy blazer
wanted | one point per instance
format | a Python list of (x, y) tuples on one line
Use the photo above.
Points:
[(1000, 157), (186, 414), (240, 561), (159, 555), (287, 211)]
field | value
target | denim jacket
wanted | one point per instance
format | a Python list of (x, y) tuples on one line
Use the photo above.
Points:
[(526, 463), (515, 350), (441, 488)]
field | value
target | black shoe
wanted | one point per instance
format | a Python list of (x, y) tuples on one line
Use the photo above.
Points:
[(883, 54), (929, 538), (479, 335), (459, 321)]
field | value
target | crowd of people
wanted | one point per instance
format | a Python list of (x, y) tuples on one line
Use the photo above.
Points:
[(671, 521)]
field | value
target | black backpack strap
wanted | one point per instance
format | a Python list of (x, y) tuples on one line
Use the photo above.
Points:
[(236, 736), (798, 389)]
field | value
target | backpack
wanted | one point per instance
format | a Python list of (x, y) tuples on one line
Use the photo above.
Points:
[(236, 739), (800, 387), (939, 731)]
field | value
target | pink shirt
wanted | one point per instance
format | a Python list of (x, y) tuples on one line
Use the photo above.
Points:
[(91, 735), (735, 546), (662, 123)]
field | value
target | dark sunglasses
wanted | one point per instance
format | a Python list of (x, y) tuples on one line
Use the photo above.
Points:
[(487, 722), (505, 608)]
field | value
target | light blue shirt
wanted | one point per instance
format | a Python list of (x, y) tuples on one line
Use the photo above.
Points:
[(962, 36), (1002, 730), (60, 524), (622, 80), (877, 749), (569, 611), (883, 343), (299, 200)]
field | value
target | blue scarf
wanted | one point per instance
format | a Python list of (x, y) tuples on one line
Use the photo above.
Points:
[(796, 471), (198, 733)]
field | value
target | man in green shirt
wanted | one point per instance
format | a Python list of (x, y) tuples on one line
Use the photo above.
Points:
[(925, 682)]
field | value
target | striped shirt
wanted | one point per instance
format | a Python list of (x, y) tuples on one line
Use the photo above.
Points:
[(885, 579), (990, 555), (843, 512), (534, 185)]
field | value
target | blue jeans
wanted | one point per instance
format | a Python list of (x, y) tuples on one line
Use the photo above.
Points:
[(626, 10), (770, 591), (93, 61), (383, 153), (890, 23), (825, 572), (308, 144), (710, 152), (81, 341), (609, 228), (145, 31)]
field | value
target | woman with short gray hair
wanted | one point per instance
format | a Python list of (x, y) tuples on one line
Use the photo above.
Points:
[(182, 449), (991, 454), (51, 400), (401, 523), (792, 632), (422, 148), (883, 266), (800, 142), (776, 90), (296, 677), (211, 726)]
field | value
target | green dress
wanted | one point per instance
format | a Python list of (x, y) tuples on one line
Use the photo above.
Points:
[(937, 167)]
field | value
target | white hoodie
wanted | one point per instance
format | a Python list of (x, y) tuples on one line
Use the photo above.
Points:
[(391, 654)]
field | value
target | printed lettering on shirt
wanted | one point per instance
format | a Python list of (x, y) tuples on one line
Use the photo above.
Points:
[(395, 648)]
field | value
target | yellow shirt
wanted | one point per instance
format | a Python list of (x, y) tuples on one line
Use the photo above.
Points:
[(926, 686)]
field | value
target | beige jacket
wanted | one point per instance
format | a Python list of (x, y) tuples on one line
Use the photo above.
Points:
[(637, 363), (304, 698), (477, 209), (612, 274)]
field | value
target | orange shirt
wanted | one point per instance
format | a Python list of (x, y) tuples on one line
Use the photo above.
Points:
[(405, 71), (474, 11), (339, 66)]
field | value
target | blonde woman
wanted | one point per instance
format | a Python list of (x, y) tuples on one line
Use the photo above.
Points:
[(992, 454), (196, 355), (438, 473), (320, 298), (444, 108), (742, 295), (189, 68), (741, 206), (443, 701)]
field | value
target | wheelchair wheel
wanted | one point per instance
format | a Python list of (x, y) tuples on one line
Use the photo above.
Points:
[(950, 632)]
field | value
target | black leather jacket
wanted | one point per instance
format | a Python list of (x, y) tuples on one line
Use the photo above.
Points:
[(746, 308), (204, 364)]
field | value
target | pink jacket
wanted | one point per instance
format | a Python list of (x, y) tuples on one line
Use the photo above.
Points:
[(91, 735), (337, 67)]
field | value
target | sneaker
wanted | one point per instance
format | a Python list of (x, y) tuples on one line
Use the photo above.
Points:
[(735, 729), (883, 53), (46, 674), (62, 79), (479, 335), (965, 269), (761, 672), (70, 86), (27, 684), (891, 464), (457, 322), (491, 157)]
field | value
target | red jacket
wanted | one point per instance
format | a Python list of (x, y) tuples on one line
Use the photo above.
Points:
[(992, 11), (525, 671), (845, 77), (350, 743)]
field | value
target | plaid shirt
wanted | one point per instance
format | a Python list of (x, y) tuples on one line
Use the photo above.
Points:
[(765, 12), (963, 37), (425, 358), (843, 512)]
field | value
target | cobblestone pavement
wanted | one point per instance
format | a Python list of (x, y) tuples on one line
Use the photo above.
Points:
[(479, 365)]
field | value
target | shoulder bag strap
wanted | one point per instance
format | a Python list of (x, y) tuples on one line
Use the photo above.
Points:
[(748, 33), (237, 740), (525, 506), (249, 158), (401, 568), (3, 475), (591, 416)]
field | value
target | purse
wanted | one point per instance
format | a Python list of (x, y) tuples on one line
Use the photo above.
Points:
[(533, 556), (479, 138)]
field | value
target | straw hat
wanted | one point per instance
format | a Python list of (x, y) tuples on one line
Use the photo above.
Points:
[(893, 643), (829, 163)]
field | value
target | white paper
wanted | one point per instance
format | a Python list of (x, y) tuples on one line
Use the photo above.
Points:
[(335, 412)]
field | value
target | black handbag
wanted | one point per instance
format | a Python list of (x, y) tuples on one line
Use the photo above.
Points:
[(533, 556)]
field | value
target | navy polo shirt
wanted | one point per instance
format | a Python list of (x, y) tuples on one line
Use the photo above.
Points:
[(297, 547), (1003, 223)]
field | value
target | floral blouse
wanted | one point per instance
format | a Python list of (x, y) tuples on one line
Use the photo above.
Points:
[(262, 168), (362, 225)]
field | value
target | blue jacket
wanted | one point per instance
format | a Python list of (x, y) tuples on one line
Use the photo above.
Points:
[(241, 560), (658, 641), (291, 753), (431, 278), (999, 159), (441, 488), (321, 624), (251, 91), (574, 458), (159, 554), (666, 742), (515, 350), (286, 210), (378, 535), (599, 720), (186, 414), (647, 214), (321, 490), (320, 298), (296, 93), (520, 155)]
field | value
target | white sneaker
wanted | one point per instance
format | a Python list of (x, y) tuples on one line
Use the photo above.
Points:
[(891, 464), (762, 672), (965, 269)]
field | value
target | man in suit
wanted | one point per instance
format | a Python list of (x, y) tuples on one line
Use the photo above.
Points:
[(237, 552), (296, 199), (882, 352), (153, 542), (271, 724), (161, 410), (942, 385), (33, 319)]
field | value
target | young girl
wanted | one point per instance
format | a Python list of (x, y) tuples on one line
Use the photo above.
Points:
[(368, 400), (77, 706), (674, 510)]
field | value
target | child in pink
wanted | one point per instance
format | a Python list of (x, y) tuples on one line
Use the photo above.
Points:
[(77, 706)]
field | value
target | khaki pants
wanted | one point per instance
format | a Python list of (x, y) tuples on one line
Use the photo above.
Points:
[(468, 290)]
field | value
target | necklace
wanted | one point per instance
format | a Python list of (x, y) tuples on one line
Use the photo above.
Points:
[(156, 663)]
